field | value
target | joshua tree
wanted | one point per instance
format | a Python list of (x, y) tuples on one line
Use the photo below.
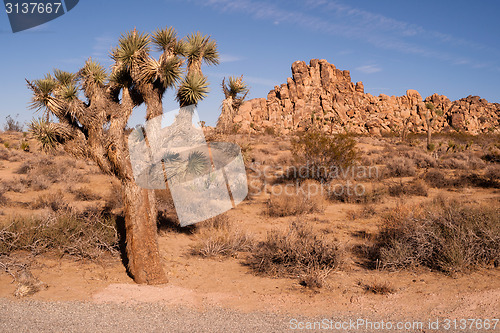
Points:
[(429, 119), (95, 127), (235, 92)]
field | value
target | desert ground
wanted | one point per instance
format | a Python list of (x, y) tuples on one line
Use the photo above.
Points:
[(60, 238)]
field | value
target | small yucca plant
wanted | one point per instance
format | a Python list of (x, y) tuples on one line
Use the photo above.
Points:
[(44, 134)]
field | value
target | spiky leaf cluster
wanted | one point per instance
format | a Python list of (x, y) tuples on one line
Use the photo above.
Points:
[(192, 89)]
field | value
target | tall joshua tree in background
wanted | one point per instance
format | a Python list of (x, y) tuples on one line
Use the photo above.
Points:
[(429, 120), (235, 92), (95, 128)]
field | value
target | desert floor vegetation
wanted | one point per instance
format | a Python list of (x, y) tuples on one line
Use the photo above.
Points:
[(420, 213)]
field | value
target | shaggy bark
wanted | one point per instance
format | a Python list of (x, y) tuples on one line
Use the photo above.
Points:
[(144, 262)]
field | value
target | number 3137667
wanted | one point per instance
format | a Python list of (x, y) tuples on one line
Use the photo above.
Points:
[(33, 7)]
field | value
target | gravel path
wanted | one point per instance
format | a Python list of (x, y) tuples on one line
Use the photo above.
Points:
[(38, 316)]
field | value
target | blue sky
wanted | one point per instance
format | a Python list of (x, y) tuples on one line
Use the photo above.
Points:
[(451, 48)]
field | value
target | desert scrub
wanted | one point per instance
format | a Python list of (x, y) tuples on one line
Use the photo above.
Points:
[(84, 194), (323, 155), (416, 187), (400, 167), (217, 236), (377, 287), (350, 192), (296, 251), (286, 200), (83, 235), (55, 201), (444, 235)]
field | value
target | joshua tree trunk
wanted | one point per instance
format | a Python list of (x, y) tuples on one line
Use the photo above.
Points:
[(144, 262), (429, 129)]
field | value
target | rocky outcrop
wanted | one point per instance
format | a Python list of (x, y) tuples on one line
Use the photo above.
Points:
[(321, 95)]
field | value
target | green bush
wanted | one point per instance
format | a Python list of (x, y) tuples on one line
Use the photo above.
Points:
[(25, 146), (323, 155)]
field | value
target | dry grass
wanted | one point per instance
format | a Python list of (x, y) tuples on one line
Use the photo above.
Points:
[(464, 161), (55, 201), (295, 252), (82, 235), (445, 235), (492, 172), (367, 211), (218, 237), (84, 194), (416, 187), (4, 154), (3, 199), (356, 193), (377, 287), (296, 200), (315, 278), (400, 167), (437, 178)]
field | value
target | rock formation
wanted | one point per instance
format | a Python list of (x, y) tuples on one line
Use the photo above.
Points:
[(321, 95)]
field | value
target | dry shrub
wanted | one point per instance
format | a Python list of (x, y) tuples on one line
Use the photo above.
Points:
[(296, 200), (416, 187), (83, 235), (436, 178), (54, 201), (366, 212), (14, 185), (421, 159), (349, 192), (36, 182), (218, 222), (377, 288), (399, 167), (24, 168), (217, 236), (3, 198), (44, 171), (294, 252), (493, 157), (464, 161), (314, 278), (84, 194), (4, 154), (475, 180), (322, 154), (493, 172), (445, 235)]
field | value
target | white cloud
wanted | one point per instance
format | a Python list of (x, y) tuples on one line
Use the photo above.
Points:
[(369, 69), (224, 57), (102, 46), (353, 23)]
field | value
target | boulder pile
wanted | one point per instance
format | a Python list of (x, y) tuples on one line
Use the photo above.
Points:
[(321, 95)]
